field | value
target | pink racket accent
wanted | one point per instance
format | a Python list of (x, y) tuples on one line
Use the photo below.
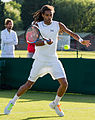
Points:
[(32, 34)]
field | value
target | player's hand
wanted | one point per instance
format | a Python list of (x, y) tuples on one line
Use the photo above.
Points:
[(86, 43), (49, 41)]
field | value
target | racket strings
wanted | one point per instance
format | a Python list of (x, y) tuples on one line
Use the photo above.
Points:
[(32, 34)]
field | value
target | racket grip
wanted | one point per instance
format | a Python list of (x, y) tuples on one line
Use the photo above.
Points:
[(48, 40)]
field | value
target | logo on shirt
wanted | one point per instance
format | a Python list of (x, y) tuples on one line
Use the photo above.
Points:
[(51, 30)]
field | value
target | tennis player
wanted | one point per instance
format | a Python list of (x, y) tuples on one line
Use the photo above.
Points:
[(8, 40), (46, 60)]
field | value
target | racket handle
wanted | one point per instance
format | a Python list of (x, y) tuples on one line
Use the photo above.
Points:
[(45, 42), (48, 40)]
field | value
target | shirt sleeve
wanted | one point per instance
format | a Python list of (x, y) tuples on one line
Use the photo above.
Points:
[(15, 39)]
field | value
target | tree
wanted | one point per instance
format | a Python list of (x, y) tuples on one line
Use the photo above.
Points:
[(13, 11), (19, 1), (78, 15), (2, 15)]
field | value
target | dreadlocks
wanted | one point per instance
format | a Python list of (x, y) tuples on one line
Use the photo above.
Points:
[(38, 14)]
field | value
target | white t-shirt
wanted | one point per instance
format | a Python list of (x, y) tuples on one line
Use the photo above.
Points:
[(47, 52), (8, 40)]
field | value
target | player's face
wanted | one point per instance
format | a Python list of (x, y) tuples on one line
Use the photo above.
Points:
[(9, 26), (48, 16)]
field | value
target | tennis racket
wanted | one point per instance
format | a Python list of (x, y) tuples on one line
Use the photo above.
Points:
[(33, 34)]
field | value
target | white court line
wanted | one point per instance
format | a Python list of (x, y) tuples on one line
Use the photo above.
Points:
[(53, 110)]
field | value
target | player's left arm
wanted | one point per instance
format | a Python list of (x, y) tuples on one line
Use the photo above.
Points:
[(74, 35), (40, 42)]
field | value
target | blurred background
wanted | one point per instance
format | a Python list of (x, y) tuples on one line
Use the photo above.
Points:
[(77, 15)]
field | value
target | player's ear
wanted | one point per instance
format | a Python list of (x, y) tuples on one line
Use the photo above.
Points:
[(43, 15)]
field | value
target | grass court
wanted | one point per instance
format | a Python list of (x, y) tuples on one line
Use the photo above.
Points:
[(34, 105), (61, 54)]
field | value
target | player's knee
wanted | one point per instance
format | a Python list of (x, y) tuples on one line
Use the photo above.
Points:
[(29, 84), (65, 83)]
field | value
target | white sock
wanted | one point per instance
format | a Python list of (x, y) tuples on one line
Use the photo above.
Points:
[(57, 99), (15, 98)]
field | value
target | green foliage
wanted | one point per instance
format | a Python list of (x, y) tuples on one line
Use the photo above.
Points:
[(29, 7), (19, 1), (13, 11), (1, 15), (78, 15)]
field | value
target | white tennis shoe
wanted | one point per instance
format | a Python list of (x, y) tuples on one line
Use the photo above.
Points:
[(57, 109), (8, 108)]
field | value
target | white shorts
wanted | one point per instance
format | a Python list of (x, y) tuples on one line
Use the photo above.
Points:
[(40, 68)]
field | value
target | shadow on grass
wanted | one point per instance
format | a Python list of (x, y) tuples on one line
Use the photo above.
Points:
[(47, 96), (2, 114), (30, 118)]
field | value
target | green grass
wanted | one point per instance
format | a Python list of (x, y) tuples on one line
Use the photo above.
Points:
[(61, 54), (73, 54), (34, 106)]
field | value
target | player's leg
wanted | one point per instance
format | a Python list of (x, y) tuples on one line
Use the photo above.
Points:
[(59, 74), (25, 87), (63, 86), (60, 92), (36, 71), (20, 91), (31, 80)]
